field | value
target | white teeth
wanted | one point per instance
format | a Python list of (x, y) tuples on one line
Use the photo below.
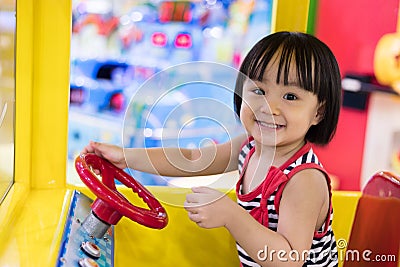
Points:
[(269, 125)]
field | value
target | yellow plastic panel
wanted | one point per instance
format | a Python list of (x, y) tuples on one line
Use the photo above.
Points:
[(42, 82), (23, 80), (35, 233), (344, 208), (290, 15), (51, 49), (181, 243), (10, 209)]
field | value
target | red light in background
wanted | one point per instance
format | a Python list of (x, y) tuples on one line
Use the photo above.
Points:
[(117, 101), (159, 39), (183, 40)]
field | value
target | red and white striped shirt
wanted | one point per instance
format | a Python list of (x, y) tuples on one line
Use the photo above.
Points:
[(263, 204)]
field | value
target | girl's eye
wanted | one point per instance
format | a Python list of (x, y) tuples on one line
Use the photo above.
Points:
[(259, 91), (290, 97)]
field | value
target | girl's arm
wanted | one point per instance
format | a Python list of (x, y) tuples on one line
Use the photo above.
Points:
[(173, 161), (303, 209)]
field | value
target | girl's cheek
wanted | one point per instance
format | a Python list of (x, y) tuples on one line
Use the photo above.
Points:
[(245, 110), (246, 115), (250, 110)]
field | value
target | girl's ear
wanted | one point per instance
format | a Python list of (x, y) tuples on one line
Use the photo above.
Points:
[(319, 116)]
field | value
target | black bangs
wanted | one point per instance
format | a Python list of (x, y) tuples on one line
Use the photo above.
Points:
[(293, 52), (291, 48)]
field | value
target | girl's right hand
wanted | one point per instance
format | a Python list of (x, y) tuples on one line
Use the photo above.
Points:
[(112, 153)]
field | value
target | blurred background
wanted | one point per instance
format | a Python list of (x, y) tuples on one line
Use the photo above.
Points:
[(118, 45)]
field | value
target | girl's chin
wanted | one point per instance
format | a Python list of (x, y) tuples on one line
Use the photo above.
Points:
[(265, 132)]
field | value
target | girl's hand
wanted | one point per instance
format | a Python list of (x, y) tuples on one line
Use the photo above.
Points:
[(112, 153), (208, 208)]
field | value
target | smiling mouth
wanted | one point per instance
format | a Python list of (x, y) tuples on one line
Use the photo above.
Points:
[(269, 125)]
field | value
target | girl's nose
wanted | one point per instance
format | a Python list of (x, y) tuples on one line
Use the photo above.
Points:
[(270, 106)]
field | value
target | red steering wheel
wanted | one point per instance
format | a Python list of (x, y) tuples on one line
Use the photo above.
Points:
[(111, 205)]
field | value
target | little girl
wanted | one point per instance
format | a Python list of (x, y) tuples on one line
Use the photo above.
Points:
[(287, 96)]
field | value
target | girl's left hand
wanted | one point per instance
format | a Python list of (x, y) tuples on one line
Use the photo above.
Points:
[(208, 208)]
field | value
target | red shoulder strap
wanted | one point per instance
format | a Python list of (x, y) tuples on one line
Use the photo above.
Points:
[(301, 167)]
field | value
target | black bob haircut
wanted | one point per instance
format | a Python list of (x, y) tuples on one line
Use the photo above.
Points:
[(317, 72)]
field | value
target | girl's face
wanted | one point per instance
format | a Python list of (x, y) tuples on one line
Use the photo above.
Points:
[(275, 114)]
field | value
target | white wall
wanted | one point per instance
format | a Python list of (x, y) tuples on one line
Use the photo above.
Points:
[(382, 135)]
